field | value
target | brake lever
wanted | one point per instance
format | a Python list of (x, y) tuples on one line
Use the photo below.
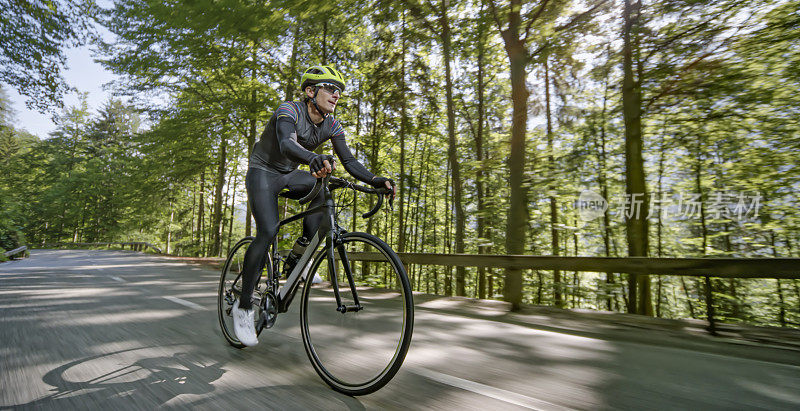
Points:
[(375, 209), (313, 193)]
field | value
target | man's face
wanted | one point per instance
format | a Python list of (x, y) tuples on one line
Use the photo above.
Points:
[(326, 98)]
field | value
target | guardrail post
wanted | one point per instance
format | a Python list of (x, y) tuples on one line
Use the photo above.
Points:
[(16, 251), (712, 325)]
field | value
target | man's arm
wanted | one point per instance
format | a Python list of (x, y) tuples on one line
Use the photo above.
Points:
[(350, 163), (287, 141), (285, 128)]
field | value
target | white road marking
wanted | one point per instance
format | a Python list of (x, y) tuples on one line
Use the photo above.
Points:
[(115, 278), (488, 391), (185, 303)]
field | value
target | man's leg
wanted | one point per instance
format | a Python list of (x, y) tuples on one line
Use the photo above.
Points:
[(264, 204), (299, 184), (262, 195)]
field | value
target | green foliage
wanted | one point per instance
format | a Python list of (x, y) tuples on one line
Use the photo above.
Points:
[(33, 36)]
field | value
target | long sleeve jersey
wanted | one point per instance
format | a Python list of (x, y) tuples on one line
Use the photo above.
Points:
[(291, 137)]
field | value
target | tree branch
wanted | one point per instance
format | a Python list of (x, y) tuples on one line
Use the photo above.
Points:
[(533, 19), (417, 13), (495, 16), (578, 17)]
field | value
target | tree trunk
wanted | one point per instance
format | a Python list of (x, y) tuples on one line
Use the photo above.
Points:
[(169, 227), (635, 185), (414, 228), (576, 279), (603, 182), (557, 286), (420, 233), (482, 237), (709, 292), (403, 181), (356, 148), (200, 212), (223, 212), (448, 224), (233, 213), (660, 223), (251, 141), (218, 199), (324, 42), (291, 86), (517, 218), (688, 297), (452, 150), (373, 162), (194, 207), (435, 242)]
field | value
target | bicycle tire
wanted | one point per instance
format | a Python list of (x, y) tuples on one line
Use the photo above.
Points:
[(404, 298), (226, 293)]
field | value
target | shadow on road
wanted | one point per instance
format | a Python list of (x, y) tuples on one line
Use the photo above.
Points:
[(137, 381), (130, 382)]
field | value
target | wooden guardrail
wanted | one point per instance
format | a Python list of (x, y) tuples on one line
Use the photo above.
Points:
[(717, 267), (698, 267), (15, 251)]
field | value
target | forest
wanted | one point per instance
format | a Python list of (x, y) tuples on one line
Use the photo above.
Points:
[(661, 128)]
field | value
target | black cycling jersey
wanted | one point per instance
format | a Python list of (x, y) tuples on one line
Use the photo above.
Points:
[(291, 137)]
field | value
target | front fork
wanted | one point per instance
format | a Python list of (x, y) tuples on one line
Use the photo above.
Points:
[(334, 240)]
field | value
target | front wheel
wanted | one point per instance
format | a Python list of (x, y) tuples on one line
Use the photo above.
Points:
[(358, 352)]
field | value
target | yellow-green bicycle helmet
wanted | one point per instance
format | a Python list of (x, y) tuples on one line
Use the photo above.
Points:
[(321, 74)]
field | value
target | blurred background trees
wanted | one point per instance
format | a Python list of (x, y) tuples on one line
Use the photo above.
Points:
[(493, 116)]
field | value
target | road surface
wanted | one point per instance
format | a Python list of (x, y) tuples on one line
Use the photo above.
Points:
[(118, 330)]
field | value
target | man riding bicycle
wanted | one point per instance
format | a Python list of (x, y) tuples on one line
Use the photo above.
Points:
[(292, 134)]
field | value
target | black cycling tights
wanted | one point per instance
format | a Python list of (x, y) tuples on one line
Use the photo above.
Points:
[(263, 188)]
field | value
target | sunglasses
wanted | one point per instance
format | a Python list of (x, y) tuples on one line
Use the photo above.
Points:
[(330, 88)]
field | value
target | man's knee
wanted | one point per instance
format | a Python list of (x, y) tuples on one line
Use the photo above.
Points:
[(266, 234)]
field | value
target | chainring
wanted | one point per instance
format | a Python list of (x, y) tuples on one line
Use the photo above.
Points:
[(269, 310)]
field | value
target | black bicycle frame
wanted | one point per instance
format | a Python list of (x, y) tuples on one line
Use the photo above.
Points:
[(329, 229)]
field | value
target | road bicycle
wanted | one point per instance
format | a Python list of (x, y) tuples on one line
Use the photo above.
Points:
[(357, 323)]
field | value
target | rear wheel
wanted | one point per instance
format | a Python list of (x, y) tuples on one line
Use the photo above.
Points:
[(358, 352), (230, 289)]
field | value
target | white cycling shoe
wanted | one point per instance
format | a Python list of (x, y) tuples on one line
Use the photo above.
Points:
[(244, 325)]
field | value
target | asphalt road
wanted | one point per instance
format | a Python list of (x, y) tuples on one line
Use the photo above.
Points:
[(117, 330)]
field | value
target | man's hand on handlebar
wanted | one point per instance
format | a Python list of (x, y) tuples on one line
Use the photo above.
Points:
[(380, 182), (322, 165)]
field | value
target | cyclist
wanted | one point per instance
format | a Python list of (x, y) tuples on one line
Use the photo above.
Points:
[(292, 133)]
